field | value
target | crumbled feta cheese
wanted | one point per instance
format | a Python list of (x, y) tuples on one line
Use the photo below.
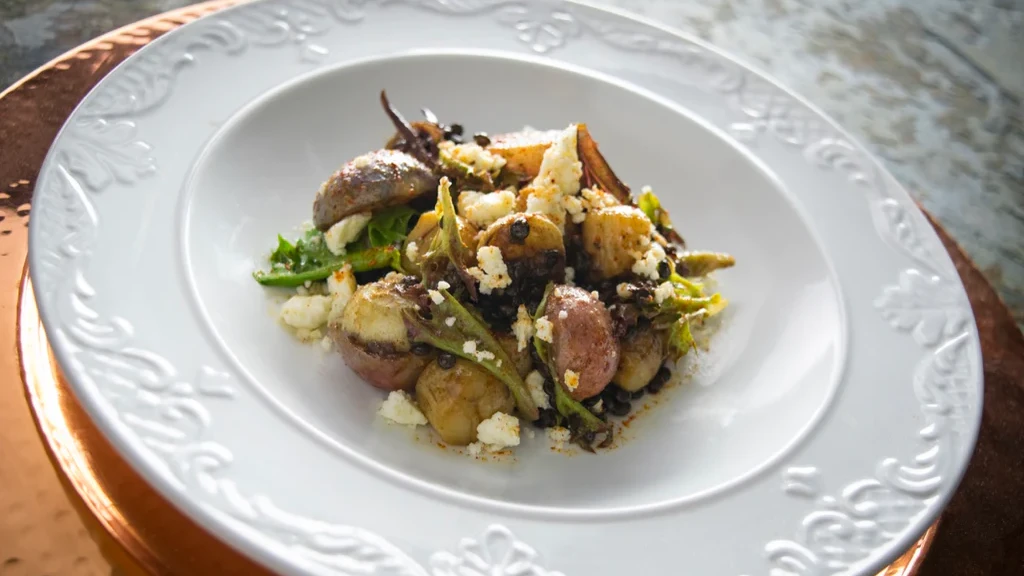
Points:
[(647, 265), (450, 321), (561, 165), (301, 291), (562, 314), (498, 363), (307, 284), (469, 346), (475, 449), (435, 296), (342, 281), (623, 291), (498, 431), (442, 285), (559, 435), (479, 160), (308, 336), (535, 385), (492, 273), (664, 291), (307, 312), (346, 230), (574, 206), (546, 201), (482, 209), (598, 406), (570, 275), (484, 355), (400, 409), (543, 328), (597, 199), (523, 328), (341, 285), (572, 380), (412, 251), (326, 343)]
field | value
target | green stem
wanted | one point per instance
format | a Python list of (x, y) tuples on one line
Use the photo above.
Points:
[(362, 261)]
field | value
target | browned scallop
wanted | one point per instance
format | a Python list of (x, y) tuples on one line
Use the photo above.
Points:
[(370, 182), (523, 151), (456, 400), (524, 236), (583, 339), (640, 358), (613, 237), (372, 338)]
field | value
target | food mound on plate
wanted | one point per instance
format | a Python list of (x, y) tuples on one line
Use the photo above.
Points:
[(487, 280)]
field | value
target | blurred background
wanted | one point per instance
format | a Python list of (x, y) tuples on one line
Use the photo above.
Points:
[(933, 87)]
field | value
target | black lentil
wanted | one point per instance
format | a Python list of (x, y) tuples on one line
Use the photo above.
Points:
[(446, 360), (620, 408), (547, 418), (552, 258), (659, 380), (481, 139), (588, 402), (519, 230), (638, 394), (622, 395), (421, 349), (663, 270)]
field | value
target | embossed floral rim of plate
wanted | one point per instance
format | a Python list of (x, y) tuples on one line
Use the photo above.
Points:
[(822, 433)]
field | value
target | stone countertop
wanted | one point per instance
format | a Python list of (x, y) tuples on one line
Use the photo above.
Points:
[(933, 87)]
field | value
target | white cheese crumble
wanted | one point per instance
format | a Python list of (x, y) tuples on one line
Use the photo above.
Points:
[(570, 275), (326, 343), (523, 328), (664, 291), (597, 199), (412, 251), (482, 209), (442, 285), (308, 312), (475, 449), (435, 296), (450, 321), (574, 206), (623, 291), (400, 409), (595, 294), (470, 347), (562, 314), (492, 272), (546, 201), (544, 328), (572, 380), (647, 265), (346, 230), (341, 285), (598, 406), (479, 160), (535, 385), (561, 165), (559, 435), (498, 431)]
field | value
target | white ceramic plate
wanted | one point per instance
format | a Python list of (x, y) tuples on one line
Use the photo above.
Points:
[(825, 430)]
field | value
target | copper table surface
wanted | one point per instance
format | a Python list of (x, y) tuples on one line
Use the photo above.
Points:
[(139, 532)]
